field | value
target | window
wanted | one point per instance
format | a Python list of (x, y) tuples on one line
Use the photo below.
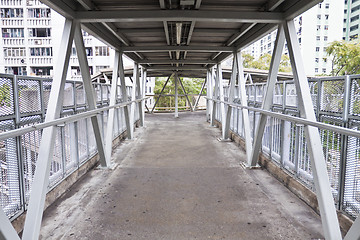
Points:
[(42, 51), (39, 32), (12, 32), (88, 51), (317, 38), (319, 17), (327, 5), (14, 52), (16, 70), (354, 27), (299, 40), (326, 27), (73, 52), (355, 36), (318, 27), (39, 13), (326, 16), (354, 9), (324, 49), (102, 51), (354, 18), (317, 49), (316, 70), (325, 60), (319, 5), (325, 38), (316, 60), (42, 71), (324, 70), (11, 13)]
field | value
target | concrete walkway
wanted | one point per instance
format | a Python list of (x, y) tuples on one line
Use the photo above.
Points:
[(176, 181)]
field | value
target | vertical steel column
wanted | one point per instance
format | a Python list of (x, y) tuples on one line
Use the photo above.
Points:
[(41, 178), (111, 117), (89, 92), (226, 121), (268, 99), (142, 87), (215, 96), (209, 95), (133, 96), (176, 96), (221, 95), (125, 98), (7, 231), (244, 102), (322, 185)]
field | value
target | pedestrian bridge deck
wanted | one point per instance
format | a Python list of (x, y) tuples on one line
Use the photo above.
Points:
[(175, 180)]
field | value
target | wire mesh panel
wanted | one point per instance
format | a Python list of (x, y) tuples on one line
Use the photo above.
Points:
[(332, 144), (30, 143), (351, 201), (313, 85), (276, 139), (69, 99), (6, 95), (69, 148), (91, 137), (29, 95), (82, 139), (278, 93), (10, 198), (355, 97), (57, 166), (260, 92), (266, 140), (290, 94), (46, 91), (80, 94), (332, 96)]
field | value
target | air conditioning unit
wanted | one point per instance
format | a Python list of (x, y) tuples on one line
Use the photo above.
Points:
[(37, 42)]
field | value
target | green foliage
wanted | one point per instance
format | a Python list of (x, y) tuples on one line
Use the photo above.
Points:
[(345, 57), (264, 61), (191, 85), (5, 96)]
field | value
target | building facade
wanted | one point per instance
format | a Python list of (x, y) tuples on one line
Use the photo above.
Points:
[(30, 36), (351, 29), (316, 28)]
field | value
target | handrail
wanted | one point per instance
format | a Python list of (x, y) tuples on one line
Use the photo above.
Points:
[(63, 120), (297, 120)]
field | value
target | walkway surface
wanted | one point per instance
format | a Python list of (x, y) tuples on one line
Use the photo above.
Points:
[(176, 181)]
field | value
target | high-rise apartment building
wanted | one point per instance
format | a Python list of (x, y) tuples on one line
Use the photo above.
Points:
[(316, 28), (351, 28), (30, 36)]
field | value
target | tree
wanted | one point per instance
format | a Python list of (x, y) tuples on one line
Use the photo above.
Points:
[(345, 57), (264, 61)]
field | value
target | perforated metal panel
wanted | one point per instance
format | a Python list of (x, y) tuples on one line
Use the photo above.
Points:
[(355, 97), (6, 95), (332, 95), (29, 95)]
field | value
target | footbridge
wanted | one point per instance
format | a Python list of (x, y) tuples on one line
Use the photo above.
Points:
[(176, 176)]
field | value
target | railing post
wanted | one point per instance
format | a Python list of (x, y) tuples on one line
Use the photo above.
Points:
[(176, 96), (221, 95), (215, 95), (344, 142)]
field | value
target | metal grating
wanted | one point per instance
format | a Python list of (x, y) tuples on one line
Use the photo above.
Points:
[(355, 97), (6, 95), (69, 98), (29, 95), (332, 96)]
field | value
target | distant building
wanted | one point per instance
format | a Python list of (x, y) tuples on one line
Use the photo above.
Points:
[(351, 28), (30, 38), (315, 28)]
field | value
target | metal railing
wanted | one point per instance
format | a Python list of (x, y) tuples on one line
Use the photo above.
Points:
[(336, 102), (23, 104)]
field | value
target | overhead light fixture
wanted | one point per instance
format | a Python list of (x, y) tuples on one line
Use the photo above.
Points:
[(187, 2), (178, 33)]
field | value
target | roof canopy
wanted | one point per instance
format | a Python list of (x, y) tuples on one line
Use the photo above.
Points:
[(188, 36)]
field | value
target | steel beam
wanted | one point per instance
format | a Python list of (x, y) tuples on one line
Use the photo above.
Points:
[(226, 121), (201, 90), (268, 98), (174, 68), (178, 16), (325, 199), (162, 90), (186, 95), (354, 231), (221, 94), (215, 96), (133, 97), (245, 112), (298, 8), (139, 90), (242, 31), (143, 87), (201, 48), (124, 97), (111, 115), (168, 61), (42, 172), (7, 231), (90, 93), (176, 96)]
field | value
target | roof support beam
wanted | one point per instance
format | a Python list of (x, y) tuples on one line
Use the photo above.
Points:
[(167, 61), (174, 68), (272, 4), (177, 48), (179, 15)]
